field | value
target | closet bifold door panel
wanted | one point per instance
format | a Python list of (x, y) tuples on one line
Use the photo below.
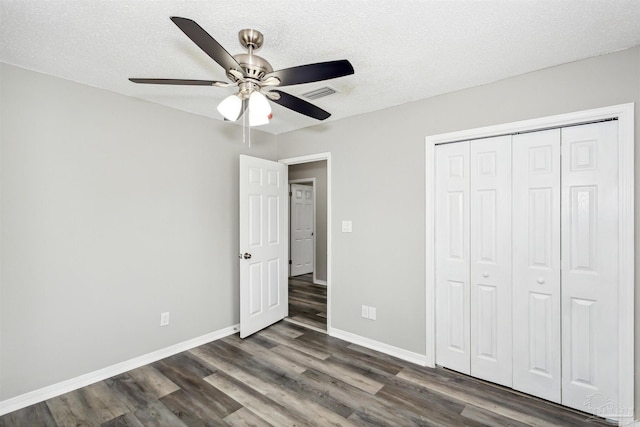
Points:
[(590, 228), (490, 243), (473, 258), (452, 256), (536, 264)]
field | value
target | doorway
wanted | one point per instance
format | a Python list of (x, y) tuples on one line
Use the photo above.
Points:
[(302, 226), (310, 292)]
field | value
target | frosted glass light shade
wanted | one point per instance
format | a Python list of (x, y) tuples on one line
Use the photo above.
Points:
[(230, 107), (259, 109)]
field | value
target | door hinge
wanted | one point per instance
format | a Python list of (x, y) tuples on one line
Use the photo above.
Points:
[(290, 262), (290, 194)]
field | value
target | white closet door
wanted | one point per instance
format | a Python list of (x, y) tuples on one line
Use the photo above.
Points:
[(490, 241), (590, 268), (452, 256), (536, 264)]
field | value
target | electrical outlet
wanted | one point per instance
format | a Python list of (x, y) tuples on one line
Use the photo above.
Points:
[(164, 318), (365, 311), (372, 313)]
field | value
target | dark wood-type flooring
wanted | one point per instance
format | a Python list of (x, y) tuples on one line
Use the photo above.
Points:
[(308, 302), (287, 375)]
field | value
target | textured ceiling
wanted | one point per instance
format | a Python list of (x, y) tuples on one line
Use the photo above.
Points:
[(401, 50)]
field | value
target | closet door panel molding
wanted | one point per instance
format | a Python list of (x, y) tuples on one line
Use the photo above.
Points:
[(490, 241), (452, 258), (536, 264), (590, 229)]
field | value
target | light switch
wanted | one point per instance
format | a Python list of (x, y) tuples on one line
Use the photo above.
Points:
[(347, 226)]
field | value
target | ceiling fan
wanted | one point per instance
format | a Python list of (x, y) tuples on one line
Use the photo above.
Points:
[(254, 76)]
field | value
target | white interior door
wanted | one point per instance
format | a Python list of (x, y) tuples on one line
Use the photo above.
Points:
[(452, 256), (263, 244), (590, 221), (490, 243), (302, 226), (536, 264)]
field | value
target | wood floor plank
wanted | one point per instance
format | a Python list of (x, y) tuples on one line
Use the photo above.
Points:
[(84, 407), (495, 400), (196, 387), (115, 406), (308, 302), (34, 415), (128, 392), (190, 410), (298, 388), (315, 322), (358, 358), (429, 405), (261, 405), (487, 418), (271, 382), (126, 420), (365, 406), (152, 381), (286, 330), (261, 352), (292, 343), (156, 414), (330, 368), (226, 364), (245, 418)]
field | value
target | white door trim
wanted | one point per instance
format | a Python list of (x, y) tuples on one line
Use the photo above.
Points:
[(625, 115), (315, 158), (313, 184)]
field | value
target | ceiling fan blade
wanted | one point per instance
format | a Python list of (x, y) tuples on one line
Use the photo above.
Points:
[(207, 43), (300, 105), (183, 82), (312, 72)]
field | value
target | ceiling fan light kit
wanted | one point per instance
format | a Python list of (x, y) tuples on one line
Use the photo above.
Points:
[(230, 107), (259, 109), (254, 76)]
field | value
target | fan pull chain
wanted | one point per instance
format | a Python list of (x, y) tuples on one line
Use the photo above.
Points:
[(246, 135)]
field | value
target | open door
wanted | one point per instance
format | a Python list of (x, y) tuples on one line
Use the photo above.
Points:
[(263, 244)]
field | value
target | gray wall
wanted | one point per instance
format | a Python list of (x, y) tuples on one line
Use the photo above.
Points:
[(378, 170), (113, 210), (317, 170)]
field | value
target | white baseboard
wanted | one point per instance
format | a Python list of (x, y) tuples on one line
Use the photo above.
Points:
[(320, 282), (66, 386), (409, 356)]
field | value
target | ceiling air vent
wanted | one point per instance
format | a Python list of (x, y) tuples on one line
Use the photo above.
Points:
[(320, 93)]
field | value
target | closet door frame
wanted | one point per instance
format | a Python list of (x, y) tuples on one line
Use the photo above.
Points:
[(624, 113)]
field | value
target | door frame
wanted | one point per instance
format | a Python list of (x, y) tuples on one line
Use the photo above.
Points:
[(313, 185), (308, 159), (624, 113)]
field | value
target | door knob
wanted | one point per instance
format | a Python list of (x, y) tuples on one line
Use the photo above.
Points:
[(540, 280), (485, 274), (246, 255)]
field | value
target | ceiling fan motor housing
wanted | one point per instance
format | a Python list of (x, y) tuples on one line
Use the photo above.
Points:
[(254, 66)]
